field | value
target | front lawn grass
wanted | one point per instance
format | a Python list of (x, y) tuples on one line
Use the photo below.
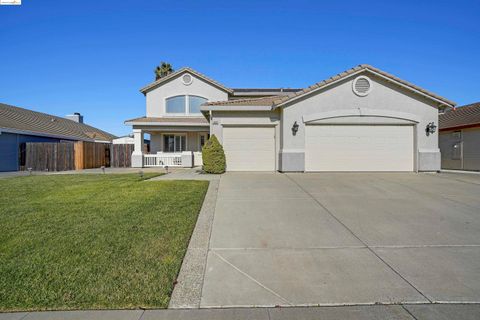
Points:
[(108, 241)]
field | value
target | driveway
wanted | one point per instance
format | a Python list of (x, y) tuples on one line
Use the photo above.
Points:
[(336, 239)]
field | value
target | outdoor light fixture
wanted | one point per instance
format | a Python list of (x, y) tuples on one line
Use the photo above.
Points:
[(431, 128), (295, 128)]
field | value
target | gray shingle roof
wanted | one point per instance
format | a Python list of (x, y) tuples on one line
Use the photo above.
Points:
[(28, 121), (468, 115), (263, 101), (179, 120)]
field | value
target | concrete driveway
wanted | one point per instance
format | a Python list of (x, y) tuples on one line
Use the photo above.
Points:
[(335, 239)]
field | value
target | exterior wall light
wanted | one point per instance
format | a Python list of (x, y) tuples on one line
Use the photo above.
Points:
[(431, 128), (295, 128)]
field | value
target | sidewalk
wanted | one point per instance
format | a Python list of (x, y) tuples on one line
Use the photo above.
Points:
[(391, 312)]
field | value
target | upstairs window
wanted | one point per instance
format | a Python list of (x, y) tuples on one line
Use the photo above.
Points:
[(194, 103), (184, 104), (176, 104)]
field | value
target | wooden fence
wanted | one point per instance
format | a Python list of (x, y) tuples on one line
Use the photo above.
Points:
[(121, 155), (52, 156), (91, 155), (43, 156)]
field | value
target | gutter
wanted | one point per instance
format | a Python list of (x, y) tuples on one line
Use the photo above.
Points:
[(40, 134), (234, 108)]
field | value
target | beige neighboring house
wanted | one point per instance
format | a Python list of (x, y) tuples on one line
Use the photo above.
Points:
[(460, 138), (362, 119)]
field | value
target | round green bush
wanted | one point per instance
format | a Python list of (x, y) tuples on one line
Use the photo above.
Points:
[(213, 156)]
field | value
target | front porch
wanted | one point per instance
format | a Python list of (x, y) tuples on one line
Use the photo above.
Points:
[(172, 148)]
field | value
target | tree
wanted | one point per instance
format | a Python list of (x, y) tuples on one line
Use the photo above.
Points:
[(213, 156), (163, 70)]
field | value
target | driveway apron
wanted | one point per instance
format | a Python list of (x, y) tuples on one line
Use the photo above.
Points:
[(340, 239)]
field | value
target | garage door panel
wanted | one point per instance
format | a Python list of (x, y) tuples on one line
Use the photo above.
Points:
[(249, 148), (359, 148)]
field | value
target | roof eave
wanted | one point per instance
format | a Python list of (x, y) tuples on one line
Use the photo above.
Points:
[(441, 102), (179, 72), (227, 107), (165, 124), (43, 134)]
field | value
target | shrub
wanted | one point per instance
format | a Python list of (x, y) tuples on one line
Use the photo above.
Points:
[(213, 156)]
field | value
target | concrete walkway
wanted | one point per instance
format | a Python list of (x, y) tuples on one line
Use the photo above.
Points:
[(344, 239), (188, 174), (392, 312)]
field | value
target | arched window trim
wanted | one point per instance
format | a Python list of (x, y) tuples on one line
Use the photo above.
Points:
[(186, 106)]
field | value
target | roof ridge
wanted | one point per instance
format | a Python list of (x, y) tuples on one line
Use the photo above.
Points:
[(23, 119), (237, 101), (352, 71), (155, 83)]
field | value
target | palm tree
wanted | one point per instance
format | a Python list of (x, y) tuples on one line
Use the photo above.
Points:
[(163, 70)]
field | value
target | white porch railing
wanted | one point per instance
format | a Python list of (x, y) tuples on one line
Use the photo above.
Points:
[(162, 160)]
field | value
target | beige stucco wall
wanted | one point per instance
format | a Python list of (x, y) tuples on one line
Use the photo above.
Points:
[(385, 98), (155, 99)]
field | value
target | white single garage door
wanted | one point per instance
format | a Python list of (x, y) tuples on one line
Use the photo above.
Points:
[(359, 148), (249, 148)]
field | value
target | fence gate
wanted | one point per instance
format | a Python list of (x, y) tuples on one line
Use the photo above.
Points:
[(121, 155)]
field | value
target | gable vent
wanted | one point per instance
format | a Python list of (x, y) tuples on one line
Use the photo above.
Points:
[(187, 79), (362, 86)]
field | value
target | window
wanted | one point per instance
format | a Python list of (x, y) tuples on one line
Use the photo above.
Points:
[(176, 104), (174, 143), (184, 104), (194, 104), (203, 139)]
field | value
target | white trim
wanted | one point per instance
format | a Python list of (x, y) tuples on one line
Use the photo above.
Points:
[(228, 107), (361, 112), (187, 106), (362, 94), (167, 124)]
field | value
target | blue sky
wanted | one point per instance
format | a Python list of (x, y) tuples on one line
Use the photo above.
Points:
[(92, 57)]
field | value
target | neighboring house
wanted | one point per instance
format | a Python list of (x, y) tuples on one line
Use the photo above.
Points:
[(460, 138), (363, 119), (18, 126), (124, 140), (128, 139)]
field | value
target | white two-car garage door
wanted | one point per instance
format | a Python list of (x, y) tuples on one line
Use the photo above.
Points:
[(359, 148), (249, 148)]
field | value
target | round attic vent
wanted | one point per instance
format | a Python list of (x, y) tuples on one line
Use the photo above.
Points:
[(362, 86), (187, 79)]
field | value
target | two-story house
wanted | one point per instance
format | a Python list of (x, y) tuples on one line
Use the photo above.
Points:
[(362, 119)]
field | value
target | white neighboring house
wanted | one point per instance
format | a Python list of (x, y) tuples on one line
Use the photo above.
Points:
[(124, 140), (362, 119)]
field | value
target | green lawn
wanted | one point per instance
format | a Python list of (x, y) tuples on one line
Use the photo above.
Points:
[(93, 241)]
